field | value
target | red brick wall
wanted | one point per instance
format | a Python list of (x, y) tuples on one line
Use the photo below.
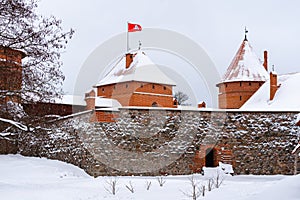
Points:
[(234, 94), (148, 100), (11, 54), (104, 116), (125, 93), (222, 153), (42, 109), (11, 72)]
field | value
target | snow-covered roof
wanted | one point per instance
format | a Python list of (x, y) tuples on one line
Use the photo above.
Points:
[(245, 66), (101, 102), (287, 97), (141, 69), (71, 100)]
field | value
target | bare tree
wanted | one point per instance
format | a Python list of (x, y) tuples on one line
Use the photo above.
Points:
[(197, 189), (148, 185), (112, 186), (181, 97), (42, 40), (130, 187), (161, 181), (218, 180), (210, 184)]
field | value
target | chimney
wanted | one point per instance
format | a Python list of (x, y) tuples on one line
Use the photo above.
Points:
[(273, 85), (129, 59), (90, 98), (266, 60)]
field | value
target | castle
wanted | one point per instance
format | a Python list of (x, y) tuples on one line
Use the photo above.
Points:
[(135, 81), (255, 117)]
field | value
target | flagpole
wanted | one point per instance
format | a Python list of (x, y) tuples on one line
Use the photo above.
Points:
[(127, 41)]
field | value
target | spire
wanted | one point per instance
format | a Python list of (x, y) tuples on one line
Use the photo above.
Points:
[(246, 31), (245, 66)]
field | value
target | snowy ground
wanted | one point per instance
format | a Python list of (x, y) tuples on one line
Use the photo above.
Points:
[(34, 178)]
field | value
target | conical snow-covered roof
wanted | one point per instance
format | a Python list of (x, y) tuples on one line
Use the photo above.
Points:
[(141, 69), (245, 66)]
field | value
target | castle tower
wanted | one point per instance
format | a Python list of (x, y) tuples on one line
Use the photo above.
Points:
[(11, 74), (243, 77), (136, 81)]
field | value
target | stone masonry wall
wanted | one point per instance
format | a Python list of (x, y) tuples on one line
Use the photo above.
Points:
[(156, 142)]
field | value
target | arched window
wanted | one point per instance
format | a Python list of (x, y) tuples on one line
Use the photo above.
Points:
[(154, 104)]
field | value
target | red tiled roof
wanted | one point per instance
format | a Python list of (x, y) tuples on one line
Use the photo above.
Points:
[(245, 66)]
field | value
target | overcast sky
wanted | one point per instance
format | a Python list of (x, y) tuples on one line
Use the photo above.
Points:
[(217, 26)]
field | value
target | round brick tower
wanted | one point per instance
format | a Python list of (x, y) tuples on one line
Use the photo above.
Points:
[(243, 78), (11, 74)]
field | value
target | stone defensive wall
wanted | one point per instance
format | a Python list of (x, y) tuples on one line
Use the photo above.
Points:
[(155, 141)]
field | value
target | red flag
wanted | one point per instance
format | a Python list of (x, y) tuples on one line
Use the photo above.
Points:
[(134, 27)]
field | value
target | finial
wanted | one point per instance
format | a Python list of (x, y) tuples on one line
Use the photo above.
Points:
[(246, 31), (140, 44)]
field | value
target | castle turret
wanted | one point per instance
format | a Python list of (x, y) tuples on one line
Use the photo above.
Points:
[(243, 77)]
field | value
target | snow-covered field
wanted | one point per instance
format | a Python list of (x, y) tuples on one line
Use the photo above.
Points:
[(38, 178)]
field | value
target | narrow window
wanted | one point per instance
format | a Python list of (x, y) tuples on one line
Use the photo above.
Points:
[(249, 83), (225, 85), (102, 90), (165, 88), (126, 85), (240, 98), (240, 83), (153, 86)]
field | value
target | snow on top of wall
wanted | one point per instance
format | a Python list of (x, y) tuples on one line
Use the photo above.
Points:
[(245, 66), (106, 103), (141, 69), (71, 100), (287, 97)]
